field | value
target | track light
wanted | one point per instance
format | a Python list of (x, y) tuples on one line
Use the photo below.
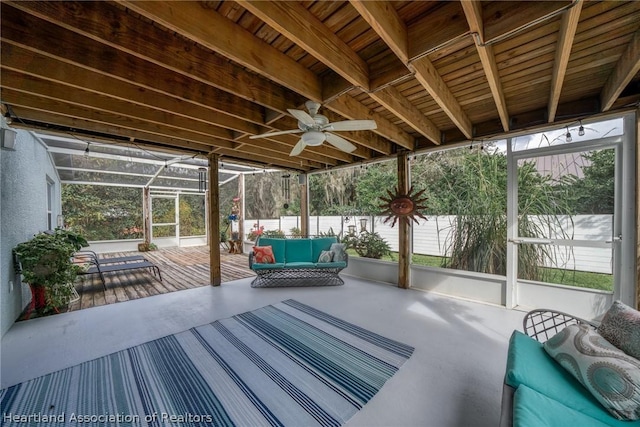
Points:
[(581, 129), (568, 135), (86, 151)]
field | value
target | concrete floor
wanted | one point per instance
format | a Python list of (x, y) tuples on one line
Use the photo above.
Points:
[(454, 377)]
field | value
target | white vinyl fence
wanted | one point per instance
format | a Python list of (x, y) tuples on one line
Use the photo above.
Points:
[(431, 237)]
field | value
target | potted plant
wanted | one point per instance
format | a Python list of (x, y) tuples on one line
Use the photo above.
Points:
[(46, 264)]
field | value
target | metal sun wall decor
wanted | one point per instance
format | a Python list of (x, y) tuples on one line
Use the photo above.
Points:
[(401, 205)]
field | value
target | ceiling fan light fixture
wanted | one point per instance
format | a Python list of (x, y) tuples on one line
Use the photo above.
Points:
[(313, 138)]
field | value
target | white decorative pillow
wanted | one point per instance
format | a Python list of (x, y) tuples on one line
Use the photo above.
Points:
[(325, 256), (621, 327), (339, 253), (612, 376)]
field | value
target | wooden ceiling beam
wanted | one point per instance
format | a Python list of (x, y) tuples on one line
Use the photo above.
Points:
[(127, 78), (303, 28), (392, 100), (627, 67), (106, 24), (214, 31), (348, 107), (75, 123), (263, 161), (115, 119), (53, 70), (473, 13), (384, 19), (154, 130), (29, 32), (300, 26), (566, 35)]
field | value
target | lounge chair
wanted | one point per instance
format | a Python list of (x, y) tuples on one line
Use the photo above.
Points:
[(100, 266)]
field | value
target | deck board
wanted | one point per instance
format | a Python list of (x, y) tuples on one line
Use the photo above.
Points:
[(181, 268)]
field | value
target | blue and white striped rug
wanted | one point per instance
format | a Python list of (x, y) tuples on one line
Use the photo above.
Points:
[(286, 364)]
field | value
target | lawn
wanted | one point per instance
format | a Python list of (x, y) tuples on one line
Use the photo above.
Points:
[(582, 279)]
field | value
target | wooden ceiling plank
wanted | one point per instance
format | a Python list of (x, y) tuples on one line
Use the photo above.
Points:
[(473, 12), (505, 18), (567, 33), (428, 76), (626, 68), (437, 30), (221, 35), (300, 26), (393, 101)]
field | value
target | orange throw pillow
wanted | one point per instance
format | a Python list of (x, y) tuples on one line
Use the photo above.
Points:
[(263, 254)]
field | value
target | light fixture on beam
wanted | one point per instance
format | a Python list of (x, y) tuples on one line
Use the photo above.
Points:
[(581, 129), (568, 136), (8, 139)]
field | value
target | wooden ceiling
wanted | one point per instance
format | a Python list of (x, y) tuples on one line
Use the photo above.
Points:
[(203, 76)]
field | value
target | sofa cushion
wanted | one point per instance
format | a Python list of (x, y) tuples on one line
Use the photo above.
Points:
[(621, 327), (339, 264), (321, 244), (339, 252), (277, 246), (263, 254), (611, 375), (531, 408), (298, 250), (325, 256), (274, 266), (528, 364), (300, 264)]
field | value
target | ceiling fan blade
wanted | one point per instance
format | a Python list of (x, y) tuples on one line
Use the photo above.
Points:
[(339, 142), (302, 116), (297, 149), (352, 125), (281, 132)]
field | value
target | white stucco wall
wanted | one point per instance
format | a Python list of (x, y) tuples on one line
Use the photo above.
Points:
[(23, 213)]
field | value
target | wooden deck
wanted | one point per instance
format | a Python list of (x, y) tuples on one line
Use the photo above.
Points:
[(181, 268)]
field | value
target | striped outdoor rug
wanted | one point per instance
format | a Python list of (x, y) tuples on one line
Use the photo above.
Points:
[(286, 364)]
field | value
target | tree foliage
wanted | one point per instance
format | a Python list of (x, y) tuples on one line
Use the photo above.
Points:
[(103, 212)]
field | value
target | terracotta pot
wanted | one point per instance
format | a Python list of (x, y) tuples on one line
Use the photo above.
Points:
[(38, 300)]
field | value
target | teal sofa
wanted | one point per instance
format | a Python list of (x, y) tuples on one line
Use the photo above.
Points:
[(296, 263), (540, 392)]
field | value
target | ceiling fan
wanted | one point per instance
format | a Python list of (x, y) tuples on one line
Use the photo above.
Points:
[(315, 129)]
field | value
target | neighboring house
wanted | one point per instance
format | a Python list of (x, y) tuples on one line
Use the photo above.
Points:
[(30, 202)]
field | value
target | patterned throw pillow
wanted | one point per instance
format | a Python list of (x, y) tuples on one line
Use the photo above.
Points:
[(325, 256), (263, 254), (621, 327), (339, 253), (612, 376)]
